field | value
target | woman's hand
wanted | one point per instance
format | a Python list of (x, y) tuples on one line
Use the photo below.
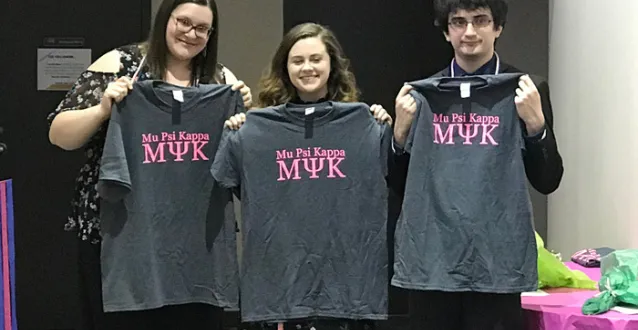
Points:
[(115, 92), (245, 93), (380, 114), (235, 121)]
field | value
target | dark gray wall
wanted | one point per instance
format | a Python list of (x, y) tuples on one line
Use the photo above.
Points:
[(43, 175)]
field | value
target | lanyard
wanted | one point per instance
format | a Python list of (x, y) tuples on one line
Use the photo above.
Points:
[(498, 65), (139, 68)]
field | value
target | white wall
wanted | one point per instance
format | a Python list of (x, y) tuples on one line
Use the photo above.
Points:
[(593, 70)]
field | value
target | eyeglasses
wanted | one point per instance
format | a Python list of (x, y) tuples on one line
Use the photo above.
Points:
[(460, 23), (184, 25)]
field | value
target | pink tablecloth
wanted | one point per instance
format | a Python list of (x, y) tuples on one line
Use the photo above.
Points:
[(561, 310)]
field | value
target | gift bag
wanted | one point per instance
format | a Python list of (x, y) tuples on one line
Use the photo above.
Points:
[(552, 273), (7, 270), (618, 287), (619, 258)]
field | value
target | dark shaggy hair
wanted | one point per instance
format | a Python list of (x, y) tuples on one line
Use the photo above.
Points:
[(443, 9)]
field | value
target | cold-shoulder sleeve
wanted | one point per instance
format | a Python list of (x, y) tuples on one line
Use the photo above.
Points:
[(88, 89)]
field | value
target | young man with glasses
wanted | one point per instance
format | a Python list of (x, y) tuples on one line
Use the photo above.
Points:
[(472, 27)]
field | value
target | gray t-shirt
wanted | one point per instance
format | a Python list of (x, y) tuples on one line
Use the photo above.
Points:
[(168, 228), (466, 222), (314, 211)]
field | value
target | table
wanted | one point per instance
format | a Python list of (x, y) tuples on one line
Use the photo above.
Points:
[(561, 309)]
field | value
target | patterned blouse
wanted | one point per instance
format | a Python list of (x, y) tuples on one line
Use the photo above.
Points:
[(87, 92)]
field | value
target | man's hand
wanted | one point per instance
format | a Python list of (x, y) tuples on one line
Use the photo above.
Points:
[(528, 105), (405, 108)]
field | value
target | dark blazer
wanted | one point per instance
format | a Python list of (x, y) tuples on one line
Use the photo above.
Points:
[(543, 163)]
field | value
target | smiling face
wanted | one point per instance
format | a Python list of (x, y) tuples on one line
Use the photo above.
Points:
[(309, 68), (472, 33), (187, 30)]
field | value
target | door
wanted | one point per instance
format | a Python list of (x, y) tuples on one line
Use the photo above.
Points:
[(43, 175)]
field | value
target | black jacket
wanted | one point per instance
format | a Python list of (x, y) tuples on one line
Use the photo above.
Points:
[(543, 163)]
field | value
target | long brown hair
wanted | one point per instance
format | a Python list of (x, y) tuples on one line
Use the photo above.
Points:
[(275, 85), (204, 65)]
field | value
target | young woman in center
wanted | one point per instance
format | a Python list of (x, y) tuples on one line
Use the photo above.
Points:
[(309, 67)]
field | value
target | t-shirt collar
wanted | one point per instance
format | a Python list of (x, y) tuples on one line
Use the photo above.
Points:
[(493, 66)]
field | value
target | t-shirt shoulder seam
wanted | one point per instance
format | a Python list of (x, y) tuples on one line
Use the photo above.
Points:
[(116, 180)]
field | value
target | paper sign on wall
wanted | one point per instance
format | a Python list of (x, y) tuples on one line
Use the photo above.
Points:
[(59, 68)]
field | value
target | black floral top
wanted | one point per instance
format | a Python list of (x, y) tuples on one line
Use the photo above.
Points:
[(87, 92)]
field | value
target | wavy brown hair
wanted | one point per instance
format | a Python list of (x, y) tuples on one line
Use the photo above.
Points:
[(275, 85)]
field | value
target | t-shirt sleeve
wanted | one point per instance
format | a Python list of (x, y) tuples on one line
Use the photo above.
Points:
[(420, 103), (386, 148), (225, 168), (114, 181), (239, 103)]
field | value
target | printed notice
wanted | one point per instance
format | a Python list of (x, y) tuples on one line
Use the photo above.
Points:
[(59, 68)]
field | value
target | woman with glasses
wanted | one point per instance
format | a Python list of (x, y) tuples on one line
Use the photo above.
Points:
[(181, 50)]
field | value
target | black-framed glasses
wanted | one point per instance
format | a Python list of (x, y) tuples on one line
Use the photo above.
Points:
[(185, 25), (460, 23)]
